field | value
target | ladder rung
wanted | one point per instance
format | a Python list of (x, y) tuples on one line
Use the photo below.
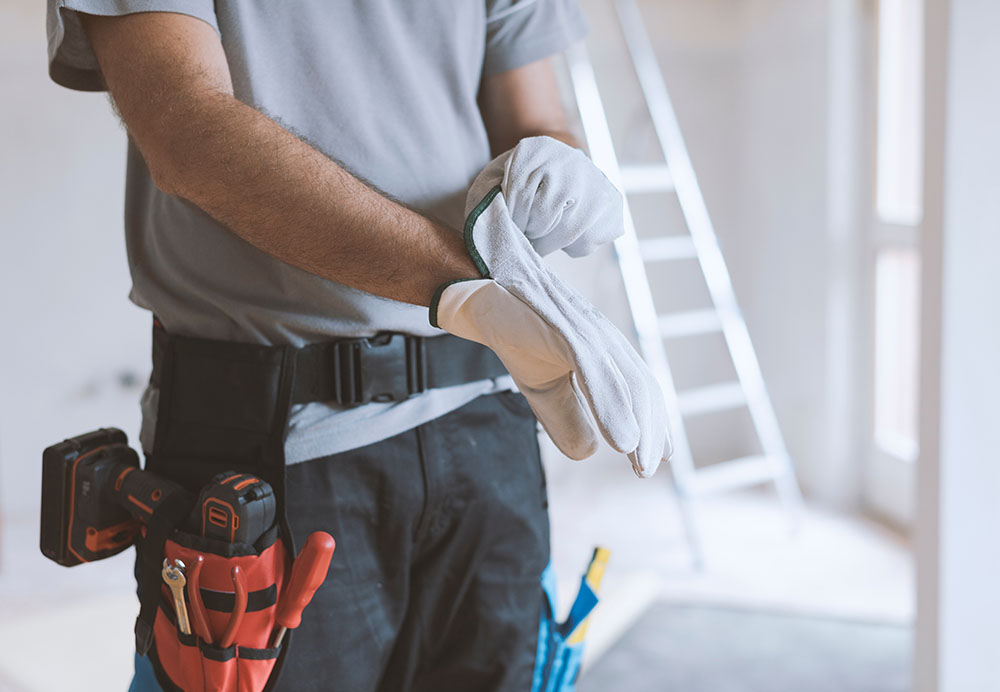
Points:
[(729, 475), (716, 397), (667, 248), (689, 323), (640, 178)]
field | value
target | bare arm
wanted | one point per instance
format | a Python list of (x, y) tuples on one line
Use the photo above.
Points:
[(169, 79), (523, 102)]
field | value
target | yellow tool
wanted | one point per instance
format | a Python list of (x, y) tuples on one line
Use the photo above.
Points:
[(593, 577)]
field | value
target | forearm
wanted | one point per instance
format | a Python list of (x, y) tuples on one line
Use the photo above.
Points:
[(524, 102), (288, 199)]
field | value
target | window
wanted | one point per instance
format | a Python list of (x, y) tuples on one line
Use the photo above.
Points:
[(900, 112), (897, 335), (898, 210), (896, 214)]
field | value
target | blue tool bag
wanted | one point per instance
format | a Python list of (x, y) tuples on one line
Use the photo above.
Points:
[(557, 662)]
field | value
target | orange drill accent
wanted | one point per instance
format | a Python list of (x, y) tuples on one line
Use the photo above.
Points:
[(105, 539)]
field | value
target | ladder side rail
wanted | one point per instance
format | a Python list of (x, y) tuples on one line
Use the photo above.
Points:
[(637, 290), (700, 226), (633, 270)]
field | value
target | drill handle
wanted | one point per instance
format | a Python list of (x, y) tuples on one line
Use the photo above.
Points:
[(141, 492)]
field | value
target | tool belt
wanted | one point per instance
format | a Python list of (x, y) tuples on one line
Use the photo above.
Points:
[(223, 406)]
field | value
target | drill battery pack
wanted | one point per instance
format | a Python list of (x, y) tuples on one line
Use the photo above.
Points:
[(235, 508), (78, 524)]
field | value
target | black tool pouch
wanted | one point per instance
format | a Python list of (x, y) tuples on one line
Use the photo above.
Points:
[(222, 406)]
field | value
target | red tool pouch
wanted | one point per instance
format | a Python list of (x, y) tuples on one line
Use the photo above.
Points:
[(200, 661), (223, 406)]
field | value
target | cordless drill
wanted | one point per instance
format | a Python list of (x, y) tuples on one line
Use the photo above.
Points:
[(95, 497)]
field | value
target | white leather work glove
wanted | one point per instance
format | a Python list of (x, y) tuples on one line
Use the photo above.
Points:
[(556, 195), (573, 366)]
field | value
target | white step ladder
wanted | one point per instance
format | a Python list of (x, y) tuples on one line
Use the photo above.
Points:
[(677, 177)]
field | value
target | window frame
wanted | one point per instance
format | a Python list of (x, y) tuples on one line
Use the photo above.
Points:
[(890, 471)]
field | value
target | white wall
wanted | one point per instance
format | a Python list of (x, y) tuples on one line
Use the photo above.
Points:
[(958, 605), (751, 83), (780, 248), (69, 331)]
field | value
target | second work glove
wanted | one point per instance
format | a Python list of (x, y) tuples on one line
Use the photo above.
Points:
[(556, 195), (571, 364)]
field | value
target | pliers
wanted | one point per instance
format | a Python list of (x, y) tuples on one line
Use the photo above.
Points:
[(239, 607), (197, 605)]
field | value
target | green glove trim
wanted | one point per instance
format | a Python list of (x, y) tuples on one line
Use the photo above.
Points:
[(470, 244), (433, 317)]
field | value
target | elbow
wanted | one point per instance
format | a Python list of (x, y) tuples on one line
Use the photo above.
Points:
[(165, 175), (179, 170), (162, 159), (175, 150)]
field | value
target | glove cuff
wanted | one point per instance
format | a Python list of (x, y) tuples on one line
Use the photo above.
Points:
[(470, 225), (470, 247), (436, 300)]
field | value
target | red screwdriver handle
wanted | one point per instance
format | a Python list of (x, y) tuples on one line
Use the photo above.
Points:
[(308, 572)]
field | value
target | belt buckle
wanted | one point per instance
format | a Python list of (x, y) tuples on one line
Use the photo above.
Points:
[(385, 367)]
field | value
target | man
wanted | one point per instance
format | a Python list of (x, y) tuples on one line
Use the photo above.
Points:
[(269, 143)]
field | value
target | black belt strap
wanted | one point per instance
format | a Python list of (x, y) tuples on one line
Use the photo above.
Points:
[(385, 367)]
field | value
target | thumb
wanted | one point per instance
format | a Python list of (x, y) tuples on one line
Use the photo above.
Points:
[(563, 414)]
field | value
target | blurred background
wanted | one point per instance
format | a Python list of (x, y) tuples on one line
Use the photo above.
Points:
[(818, 133)]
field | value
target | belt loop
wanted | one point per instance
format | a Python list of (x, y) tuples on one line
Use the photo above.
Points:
[(346, 372), (416, 365)]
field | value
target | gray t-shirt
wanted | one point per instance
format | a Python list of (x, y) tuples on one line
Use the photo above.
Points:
[(386, 87)]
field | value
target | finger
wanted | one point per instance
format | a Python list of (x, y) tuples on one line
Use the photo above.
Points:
[(648, 405), (643, 458), (596, 373), (563, 415), (645, 396), (606, 392), (601, 223)]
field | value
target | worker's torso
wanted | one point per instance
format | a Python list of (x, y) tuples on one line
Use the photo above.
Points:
[(386, 87)]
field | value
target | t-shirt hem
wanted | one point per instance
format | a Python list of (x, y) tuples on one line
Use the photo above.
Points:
[(319, 441)]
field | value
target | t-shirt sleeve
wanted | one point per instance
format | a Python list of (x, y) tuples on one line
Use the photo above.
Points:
[(519, 32), (71, 58)]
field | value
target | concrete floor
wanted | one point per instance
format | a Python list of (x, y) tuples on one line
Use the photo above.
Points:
[(833, 565), (698, 648), (72, 628)]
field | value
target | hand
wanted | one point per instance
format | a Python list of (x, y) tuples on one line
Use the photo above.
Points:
[(555, 195), (577, 371)]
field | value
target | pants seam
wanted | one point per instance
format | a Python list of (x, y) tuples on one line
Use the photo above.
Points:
[(419, 527)]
